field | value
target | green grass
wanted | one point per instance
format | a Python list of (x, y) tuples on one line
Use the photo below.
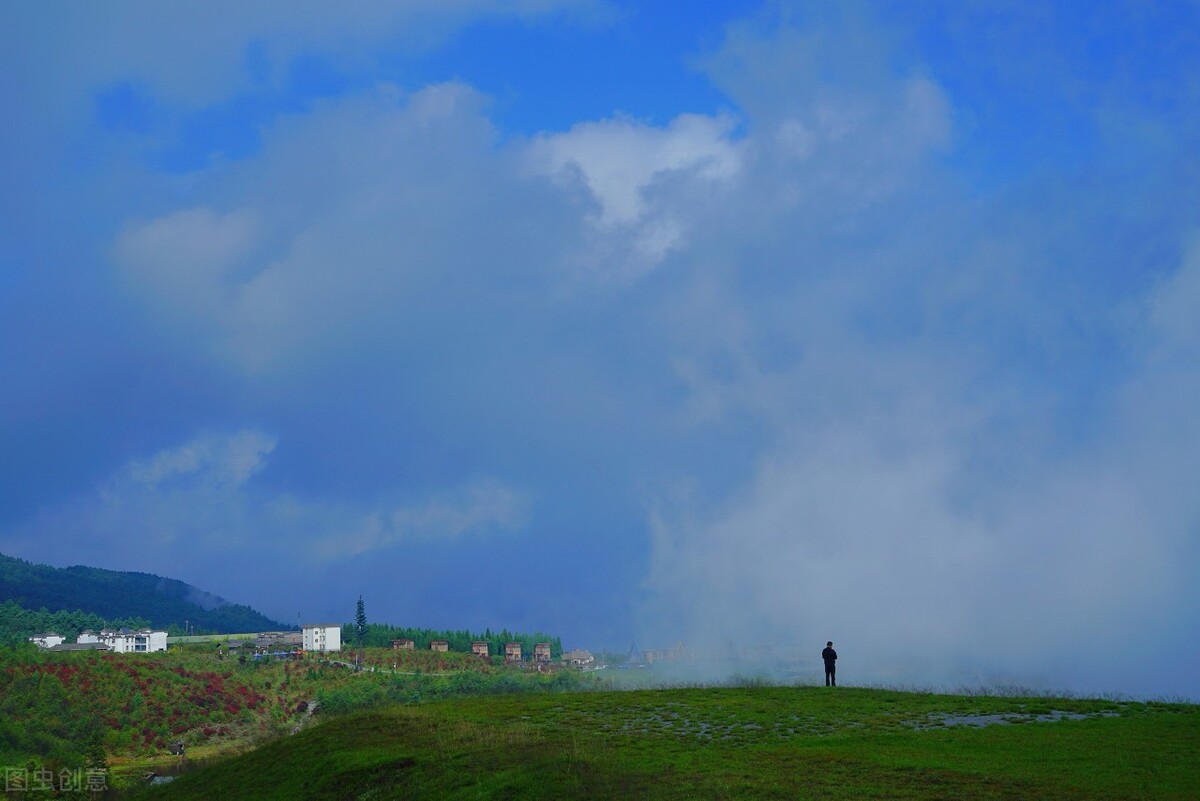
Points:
[(54, 705), (735, 743)]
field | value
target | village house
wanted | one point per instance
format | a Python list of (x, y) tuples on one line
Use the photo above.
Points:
[(480, 648), (512, 652), (441, 646), (277, 640), (579, 658), (48, 640), (541, 652), (403, 645), (322, 637), (679, 652), (126, 641)]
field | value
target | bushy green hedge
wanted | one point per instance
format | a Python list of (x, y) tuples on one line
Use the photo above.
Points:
[(376, 691)]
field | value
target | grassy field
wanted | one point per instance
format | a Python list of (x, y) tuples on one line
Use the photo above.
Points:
[(56, 707), (735, 743)]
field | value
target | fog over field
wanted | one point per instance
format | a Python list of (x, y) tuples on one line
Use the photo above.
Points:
[(780, 323)]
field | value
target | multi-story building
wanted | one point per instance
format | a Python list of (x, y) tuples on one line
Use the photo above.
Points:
[(322, 637)]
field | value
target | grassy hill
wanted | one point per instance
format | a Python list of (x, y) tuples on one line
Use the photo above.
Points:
[(119, 595), (54, 705), (736, 743), (418, 724)]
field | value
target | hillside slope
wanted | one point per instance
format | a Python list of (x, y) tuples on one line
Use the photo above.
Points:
[(117, 594), (744, 743)]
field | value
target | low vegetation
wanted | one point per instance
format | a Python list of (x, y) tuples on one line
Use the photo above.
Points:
[(733, 742), (56, 707), (416, 724)]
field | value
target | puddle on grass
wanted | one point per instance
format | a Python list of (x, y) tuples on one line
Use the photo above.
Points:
[(941, 720), (679, 721)]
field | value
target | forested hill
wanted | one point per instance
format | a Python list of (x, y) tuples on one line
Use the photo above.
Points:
[(119, 595)]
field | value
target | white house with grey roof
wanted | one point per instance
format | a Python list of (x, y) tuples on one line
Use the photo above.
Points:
[(322, 637), (48, 640)]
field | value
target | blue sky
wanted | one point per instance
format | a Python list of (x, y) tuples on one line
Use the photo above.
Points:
[(767, 323)]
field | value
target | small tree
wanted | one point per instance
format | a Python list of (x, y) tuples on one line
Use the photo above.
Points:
[(94, 757), (360, 622)]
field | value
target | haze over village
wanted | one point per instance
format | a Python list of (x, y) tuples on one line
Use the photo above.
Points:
[(702, 338)]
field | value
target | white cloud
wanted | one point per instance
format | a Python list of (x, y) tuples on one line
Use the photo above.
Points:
[(824, 532), (476, 509), (1173, 305), (210, 459), (188, 260), (620, 161), (865, 370), (347, 211), (916, 493), (873, 529), (201, 497)]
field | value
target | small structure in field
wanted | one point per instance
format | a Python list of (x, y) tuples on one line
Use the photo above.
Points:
[(440, 646), (579, 658), (403, 645), (541, 652), (512, 652), (480, 648), (679, 652)]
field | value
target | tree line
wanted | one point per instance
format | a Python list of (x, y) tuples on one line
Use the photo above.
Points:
[(18, 624), (380, 635)]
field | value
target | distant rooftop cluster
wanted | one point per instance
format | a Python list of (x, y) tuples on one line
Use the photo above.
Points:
[(121, 641)]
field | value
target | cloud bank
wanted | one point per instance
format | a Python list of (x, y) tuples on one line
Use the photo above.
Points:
[(845, 358)]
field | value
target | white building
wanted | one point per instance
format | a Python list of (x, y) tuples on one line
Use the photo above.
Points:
[(127, 641), (322, 637), (48, 640)]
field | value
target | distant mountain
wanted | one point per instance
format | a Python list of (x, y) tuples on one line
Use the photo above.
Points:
[(118, 594)]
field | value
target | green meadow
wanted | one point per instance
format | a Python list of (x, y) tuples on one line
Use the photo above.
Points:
[(427, 725), (724, 742)]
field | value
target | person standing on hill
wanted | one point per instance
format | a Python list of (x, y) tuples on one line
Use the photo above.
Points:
[(830, 657)]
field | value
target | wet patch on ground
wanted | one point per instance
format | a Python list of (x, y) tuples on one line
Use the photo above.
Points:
[(941, 720), (717, 725)]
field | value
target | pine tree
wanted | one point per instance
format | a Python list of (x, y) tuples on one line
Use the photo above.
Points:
[(94, 757), (360, 622)]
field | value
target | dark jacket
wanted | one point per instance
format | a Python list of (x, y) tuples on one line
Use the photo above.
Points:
[(830, 656)]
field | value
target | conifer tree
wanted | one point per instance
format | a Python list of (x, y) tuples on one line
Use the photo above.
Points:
[(94, 757), (360, 622)]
